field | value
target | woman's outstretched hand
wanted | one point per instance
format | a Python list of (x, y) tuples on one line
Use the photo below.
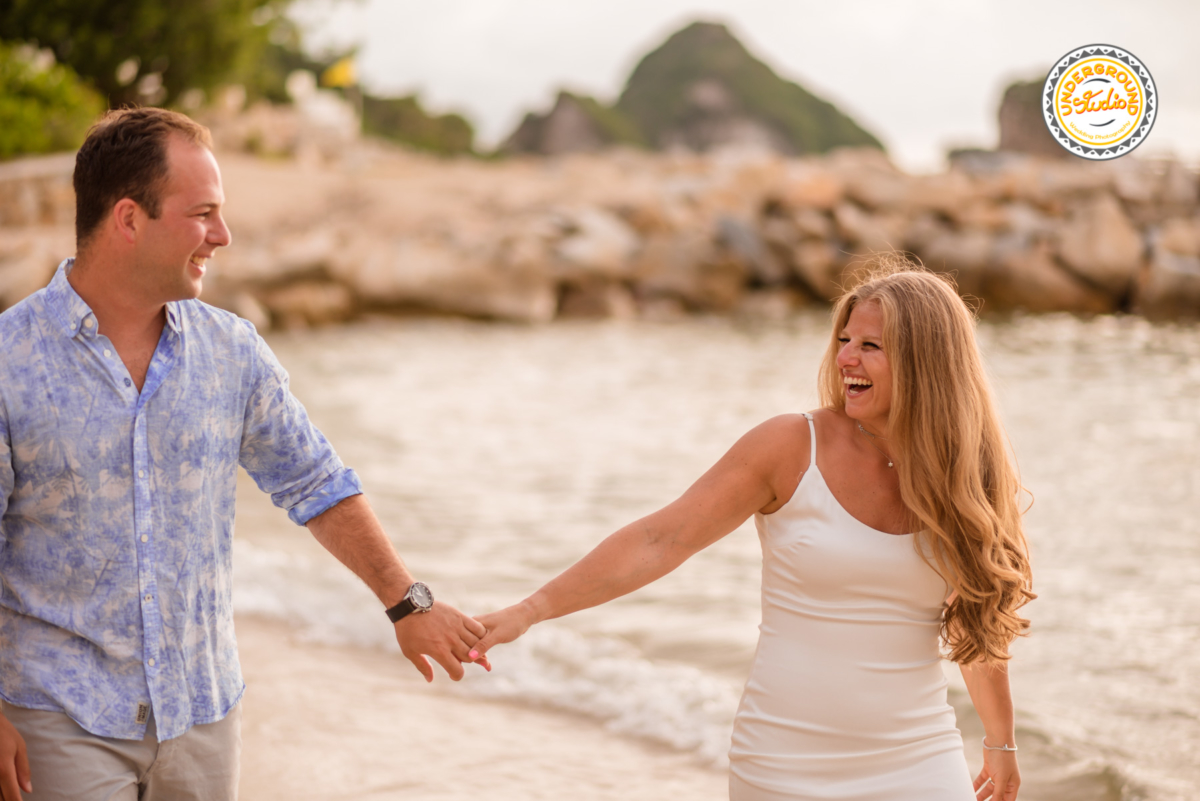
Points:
[(503, 626), (1000, 779)]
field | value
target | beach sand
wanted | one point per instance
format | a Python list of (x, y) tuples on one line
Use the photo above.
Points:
[(346, 723)]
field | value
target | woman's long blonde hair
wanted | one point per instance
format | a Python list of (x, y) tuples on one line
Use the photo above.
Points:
[(949, 449)]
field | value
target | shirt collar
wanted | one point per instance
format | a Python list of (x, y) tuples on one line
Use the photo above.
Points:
[(73, 313), (66, 305), (174, 317)]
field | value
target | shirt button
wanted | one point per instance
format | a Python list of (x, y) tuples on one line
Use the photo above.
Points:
[(145, 538), (151, 662), (147, 599), (128, 382), (87, 323), (107, 353), (141, 474)]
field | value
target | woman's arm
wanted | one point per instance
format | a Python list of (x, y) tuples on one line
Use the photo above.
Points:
[(742, 482), (990, 693)]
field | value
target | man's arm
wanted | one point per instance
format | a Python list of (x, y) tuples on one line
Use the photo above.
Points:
[(14, 766), (351, 532)]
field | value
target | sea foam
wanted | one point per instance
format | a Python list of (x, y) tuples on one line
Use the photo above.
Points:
[(551, 666)]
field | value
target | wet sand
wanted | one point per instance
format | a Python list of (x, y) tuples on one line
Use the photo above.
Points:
[(344, 723)]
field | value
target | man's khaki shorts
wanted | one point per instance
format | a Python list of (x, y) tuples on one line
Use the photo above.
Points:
[(68, 763)]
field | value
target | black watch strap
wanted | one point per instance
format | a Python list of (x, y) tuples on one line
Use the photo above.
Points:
[(401, 610), (417, 599)]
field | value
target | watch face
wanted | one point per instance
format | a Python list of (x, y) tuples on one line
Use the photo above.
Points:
[(421, 597)]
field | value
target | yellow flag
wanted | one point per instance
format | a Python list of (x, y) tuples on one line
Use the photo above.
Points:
[(340, 73)]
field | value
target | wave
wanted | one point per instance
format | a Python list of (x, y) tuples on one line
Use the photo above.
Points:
[(550, 667), (603, 678)]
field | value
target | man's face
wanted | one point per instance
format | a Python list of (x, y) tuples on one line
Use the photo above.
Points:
[(173, 248)]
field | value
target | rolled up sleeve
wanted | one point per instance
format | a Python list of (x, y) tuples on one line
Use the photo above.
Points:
[(284, 452)]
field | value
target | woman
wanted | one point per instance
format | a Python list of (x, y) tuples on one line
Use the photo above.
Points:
[(846, 698)]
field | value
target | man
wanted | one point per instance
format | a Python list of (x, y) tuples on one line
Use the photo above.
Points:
[(126, 406)]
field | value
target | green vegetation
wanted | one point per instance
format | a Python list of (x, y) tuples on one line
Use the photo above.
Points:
[(659, 95), (44, 107), (402, 119), (147, 51), (613, 125), (266, 77)]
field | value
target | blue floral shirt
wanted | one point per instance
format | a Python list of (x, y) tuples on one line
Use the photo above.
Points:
[(116, 508)]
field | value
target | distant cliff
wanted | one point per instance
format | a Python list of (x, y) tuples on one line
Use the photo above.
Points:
[(701, 89), (1022, 126)]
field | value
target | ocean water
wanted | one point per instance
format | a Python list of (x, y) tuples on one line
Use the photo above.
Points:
[(497, 455)]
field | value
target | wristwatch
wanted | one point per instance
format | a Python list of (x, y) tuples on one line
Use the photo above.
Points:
[(417, 599)]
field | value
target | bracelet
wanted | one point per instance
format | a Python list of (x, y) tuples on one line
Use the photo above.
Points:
[(1004, 747)]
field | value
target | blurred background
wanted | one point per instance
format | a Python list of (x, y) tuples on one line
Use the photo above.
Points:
[(533, 266)]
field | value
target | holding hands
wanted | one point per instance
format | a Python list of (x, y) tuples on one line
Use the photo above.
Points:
[(503, 626), (443, 633), (450, 637)]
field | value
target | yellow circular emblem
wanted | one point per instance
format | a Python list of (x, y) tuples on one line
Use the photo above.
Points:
[(1099, 102)]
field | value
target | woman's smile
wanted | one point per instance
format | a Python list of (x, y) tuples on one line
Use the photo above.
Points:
[(865, 368)]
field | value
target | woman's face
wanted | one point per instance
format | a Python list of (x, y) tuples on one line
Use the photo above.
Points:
[(866, 374)]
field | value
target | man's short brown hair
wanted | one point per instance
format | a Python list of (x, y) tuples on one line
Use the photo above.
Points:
[(125, 156)]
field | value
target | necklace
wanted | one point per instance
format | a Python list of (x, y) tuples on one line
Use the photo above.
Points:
[(872, 442)]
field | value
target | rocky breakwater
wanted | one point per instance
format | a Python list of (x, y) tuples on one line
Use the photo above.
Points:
[(628, 233)]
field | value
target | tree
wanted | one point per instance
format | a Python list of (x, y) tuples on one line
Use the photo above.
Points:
[(139, 51), (44, 107)]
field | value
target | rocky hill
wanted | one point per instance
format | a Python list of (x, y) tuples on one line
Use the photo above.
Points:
[(700, 90), (576, 124)]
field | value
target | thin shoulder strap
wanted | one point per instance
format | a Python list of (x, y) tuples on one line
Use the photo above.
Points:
[(812, 438)]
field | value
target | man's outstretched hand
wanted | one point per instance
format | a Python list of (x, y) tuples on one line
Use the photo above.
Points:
[(443, 633)]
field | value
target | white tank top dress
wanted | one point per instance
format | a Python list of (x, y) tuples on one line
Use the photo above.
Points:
[(847, 698)]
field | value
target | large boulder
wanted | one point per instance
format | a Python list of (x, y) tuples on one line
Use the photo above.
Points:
[(37, 191), (1100, 244), (965, 255), (415, 273), (688, 266), (1031, 279), (869, 233), (1181, 187), (1169, 286), (943, 193), (306, 303), (597, 298), (741, 242), (871, 180), (28, 257), (806, 184), (819, 266), (596, 243)]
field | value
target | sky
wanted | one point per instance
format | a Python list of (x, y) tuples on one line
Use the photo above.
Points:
[(922, 75)]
